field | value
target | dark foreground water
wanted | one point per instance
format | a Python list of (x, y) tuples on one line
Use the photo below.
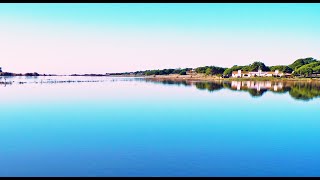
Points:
[(102, 126)]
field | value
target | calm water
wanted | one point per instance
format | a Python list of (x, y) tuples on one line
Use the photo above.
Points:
[(102, 126)]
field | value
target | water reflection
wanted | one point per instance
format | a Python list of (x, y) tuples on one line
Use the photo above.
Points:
[(297, 90), (12, 80)]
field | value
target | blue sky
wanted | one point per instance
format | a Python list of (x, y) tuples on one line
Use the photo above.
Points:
[(245, 16), (180, 35)]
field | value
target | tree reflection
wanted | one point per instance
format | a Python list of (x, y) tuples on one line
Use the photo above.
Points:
[(305, 91), (209, 86), (297, 90)]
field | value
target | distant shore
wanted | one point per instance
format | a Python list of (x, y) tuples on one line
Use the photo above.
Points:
[(197, 77), (202, 77)]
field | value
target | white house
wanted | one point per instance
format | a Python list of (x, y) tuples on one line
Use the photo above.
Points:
[(259, 73)]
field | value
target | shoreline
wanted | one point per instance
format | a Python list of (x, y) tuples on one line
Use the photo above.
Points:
[(174, 77), (214, 78)]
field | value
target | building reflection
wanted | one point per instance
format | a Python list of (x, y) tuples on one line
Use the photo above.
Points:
[(257, 85), (300, 90)]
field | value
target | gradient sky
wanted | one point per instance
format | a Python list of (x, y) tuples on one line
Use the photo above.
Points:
[(101, 38)]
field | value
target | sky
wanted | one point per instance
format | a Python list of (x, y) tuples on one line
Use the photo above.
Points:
[(106, 38)]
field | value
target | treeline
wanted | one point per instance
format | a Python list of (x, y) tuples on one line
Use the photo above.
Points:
[(18, 74), (306, 67), (25, 74), (251, 67), (297, 90), (210, 70), (155, 72), (301, 67), (167, 71)]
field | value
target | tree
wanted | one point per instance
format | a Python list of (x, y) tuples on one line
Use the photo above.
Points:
[(316, 69), (201, 69), (308, 69), (246, 68), (148, 73), (183, 72), (251, 67), (169, 71), (176, 71), (208, 71), (217, 70), (300, 62), (0, 69), (256, 65), (233, 68), (282, 68), (305, 71), (287, 69)]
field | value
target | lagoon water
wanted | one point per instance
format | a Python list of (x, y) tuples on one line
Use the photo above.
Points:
[(136, 127)]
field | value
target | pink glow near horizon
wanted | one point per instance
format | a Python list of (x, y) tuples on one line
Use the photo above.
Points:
[(66, 51)]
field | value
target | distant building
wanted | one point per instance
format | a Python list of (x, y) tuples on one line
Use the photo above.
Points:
[(259, 73)]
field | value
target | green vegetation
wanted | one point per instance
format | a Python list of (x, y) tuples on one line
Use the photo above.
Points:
[(316, 69), (168, 82), (233, 68), (210, 70), (307, 67), (183, 72), (298, 90), (255, 93), (256, 65), (251, 67), (300, 62), (164, 72), (208, 86), (15, 74), (305, 91), (301, 67), (282, 68)]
